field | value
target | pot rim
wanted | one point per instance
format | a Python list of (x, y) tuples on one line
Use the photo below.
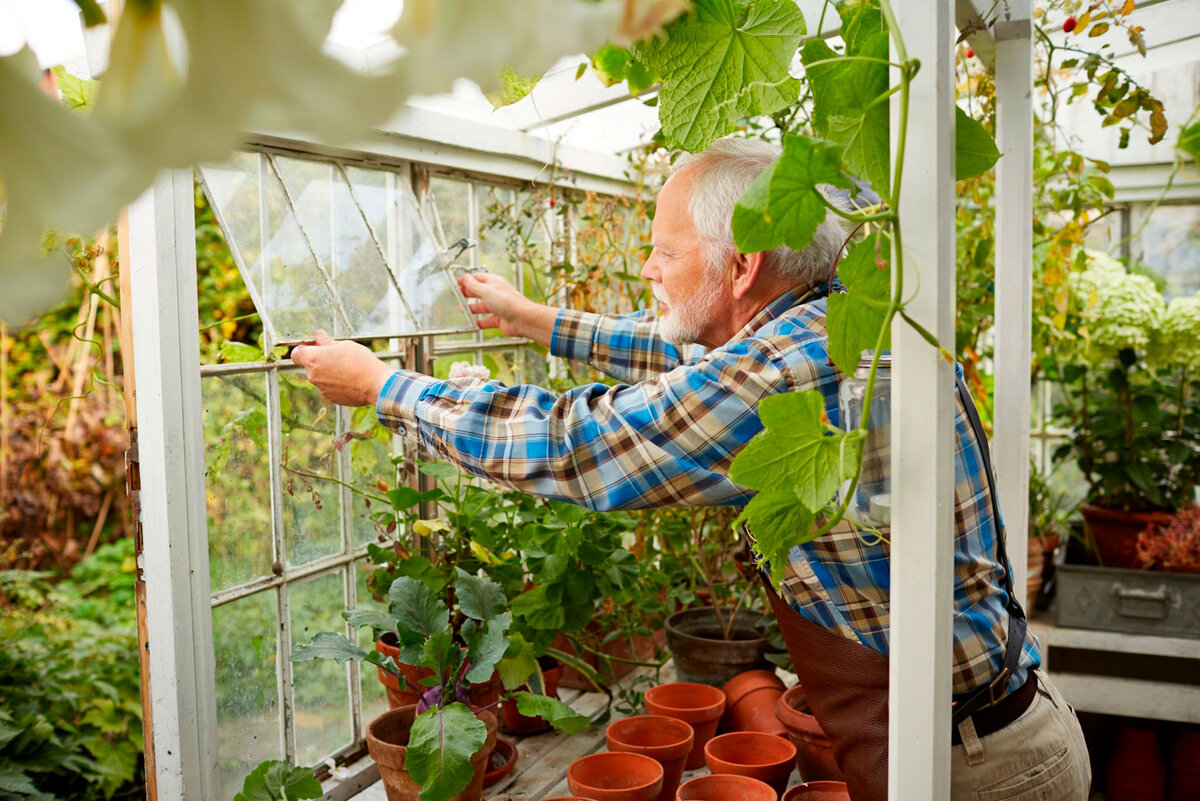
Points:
[(749, 681), (761, 740), (702, 711), (651, 766), (677, 749), (793, 718), (672, 629), (735, 778)]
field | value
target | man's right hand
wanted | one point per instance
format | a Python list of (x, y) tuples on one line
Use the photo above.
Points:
[(503, 307)]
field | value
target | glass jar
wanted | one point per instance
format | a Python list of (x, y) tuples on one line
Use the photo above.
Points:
[(871, 506)]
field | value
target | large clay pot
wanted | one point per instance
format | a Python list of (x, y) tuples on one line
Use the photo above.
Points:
[(1115, 532), (609, 776), (814, 751), (750, 702), (667, 741), (514, 722), (699, 705), (701, 652), (1184, 779), (725, 787), (1136, 771), (765, 757), (387, 741), (818, 791), (481, 695)]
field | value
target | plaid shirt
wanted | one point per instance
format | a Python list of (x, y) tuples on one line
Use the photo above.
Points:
[(668, 439)]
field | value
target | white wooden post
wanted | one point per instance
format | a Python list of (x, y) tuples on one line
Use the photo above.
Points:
[(174, 559), (923, 419), (1014, 276)]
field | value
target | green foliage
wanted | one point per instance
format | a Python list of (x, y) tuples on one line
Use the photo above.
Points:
[(784, 204), (275, 780), (613, 64), (440, 748), (70, 714), (554, 711), (856, 318), (974, 149), (1189, 141), (850, 93), (725, 61)]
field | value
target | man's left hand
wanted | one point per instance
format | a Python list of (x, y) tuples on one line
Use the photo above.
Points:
[(346, 373)]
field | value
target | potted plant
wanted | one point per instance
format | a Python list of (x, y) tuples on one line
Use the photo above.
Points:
[(1173, 546), (1131, 404), (439, 745), (1048, 528)]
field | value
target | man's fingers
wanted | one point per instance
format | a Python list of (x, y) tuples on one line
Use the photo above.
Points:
[(321, 338)]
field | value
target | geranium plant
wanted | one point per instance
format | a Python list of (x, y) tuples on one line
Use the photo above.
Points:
[(1173, 546), (460, 642)]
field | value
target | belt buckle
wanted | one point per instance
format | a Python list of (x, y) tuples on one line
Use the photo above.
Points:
[(1001, 680)]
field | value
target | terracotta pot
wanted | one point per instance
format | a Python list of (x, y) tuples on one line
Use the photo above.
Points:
[(609, 776), (818, 791), (569, 798), (514, 722), (696, 704), (500, 762), (814, 751), (667, 741), (750, 702), (1115, 531), (725, 787), (701, 652), (387, 741), (1184, 779), (481, 695), (1136, 771), (765, 757), (1041, 552)]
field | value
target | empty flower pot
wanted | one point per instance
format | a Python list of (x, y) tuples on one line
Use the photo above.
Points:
[(814, 751), (818, 791), (701, 652), (725, 787), (615, 776), (750, 702), (699, 705), (387, 741), (667, 741), (500, 762), (765, 757)]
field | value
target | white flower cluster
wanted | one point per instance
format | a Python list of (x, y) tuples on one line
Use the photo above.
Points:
[(468, 370), (1120, 310), (1180, 334)]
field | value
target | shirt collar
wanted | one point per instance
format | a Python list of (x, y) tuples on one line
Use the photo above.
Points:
[(803, 293)]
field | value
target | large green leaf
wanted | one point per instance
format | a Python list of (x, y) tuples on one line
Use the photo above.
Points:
[(418, 612), (1189, 141), (479, 597), (553, 711), (777, 521), (794, 452), (440, 654), (439, 750), (365, 616), (793, 206), (855, 317), (846, 93), (328, 645), (486, 645), (275, 780), (726, 61), (519, 662), (974, 148)]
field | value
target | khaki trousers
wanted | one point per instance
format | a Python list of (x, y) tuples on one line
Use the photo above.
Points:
[(1040, 756)]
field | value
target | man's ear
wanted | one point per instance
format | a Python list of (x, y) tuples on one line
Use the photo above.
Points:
[(745, 272)]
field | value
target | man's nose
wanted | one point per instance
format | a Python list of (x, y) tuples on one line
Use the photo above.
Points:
[(650, 268)]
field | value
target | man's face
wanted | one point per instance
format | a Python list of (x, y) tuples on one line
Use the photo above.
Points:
[(688, 296)]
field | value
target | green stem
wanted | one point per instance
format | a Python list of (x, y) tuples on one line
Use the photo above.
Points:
[(95, 289), (843, 59), (858, 219)]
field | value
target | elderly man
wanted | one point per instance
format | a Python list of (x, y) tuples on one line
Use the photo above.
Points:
[(669, 435)]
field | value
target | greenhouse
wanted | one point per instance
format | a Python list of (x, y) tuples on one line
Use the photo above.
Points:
[(600, 399)]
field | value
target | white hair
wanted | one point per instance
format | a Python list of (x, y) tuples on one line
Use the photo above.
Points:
[(720, 174)]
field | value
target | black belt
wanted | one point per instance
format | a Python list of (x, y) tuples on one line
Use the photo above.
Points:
[(995, 717)]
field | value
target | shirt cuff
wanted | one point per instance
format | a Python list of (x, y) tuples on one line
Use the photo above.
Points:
[(396, 406), (573, 334)]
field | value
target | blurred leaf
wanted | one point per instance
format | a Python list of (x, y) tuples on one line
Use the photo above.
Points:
[(974, 148), (275, 780)]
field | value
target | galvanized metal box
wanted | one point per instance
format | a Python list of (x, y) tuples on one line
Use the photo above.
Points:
[(1131, 601)]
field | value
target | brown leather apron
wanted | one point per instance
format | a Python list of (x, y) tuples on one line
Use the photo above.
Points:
[(853, 713)]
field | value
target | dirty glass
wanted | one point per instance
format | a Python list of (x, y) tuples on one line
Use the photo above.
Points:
[(322, 706), (311, 497)]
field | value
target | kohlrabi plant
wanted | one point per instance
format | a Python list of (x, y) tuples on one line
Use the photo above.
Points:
[(460, 642)]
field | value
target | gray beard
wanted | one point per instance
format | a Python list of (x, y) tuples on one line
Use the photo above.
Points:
[(685, 324)]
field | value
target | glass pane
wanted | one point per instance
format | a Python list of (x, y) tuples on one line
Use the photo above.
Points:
[(452, 205), (290, 289), (236, 472), (322, 706), (370, 463), (337, 230), (247, 694), (1170, 245), (374, 698), (496, 229), (311, 520)]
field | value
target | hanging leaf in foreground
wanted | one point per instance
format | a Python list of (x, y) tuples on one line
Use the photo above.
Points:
[(275, 780), (784, 206), (725, 61), (855, 317), (974, 149), (849, 106), (438, 761)]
